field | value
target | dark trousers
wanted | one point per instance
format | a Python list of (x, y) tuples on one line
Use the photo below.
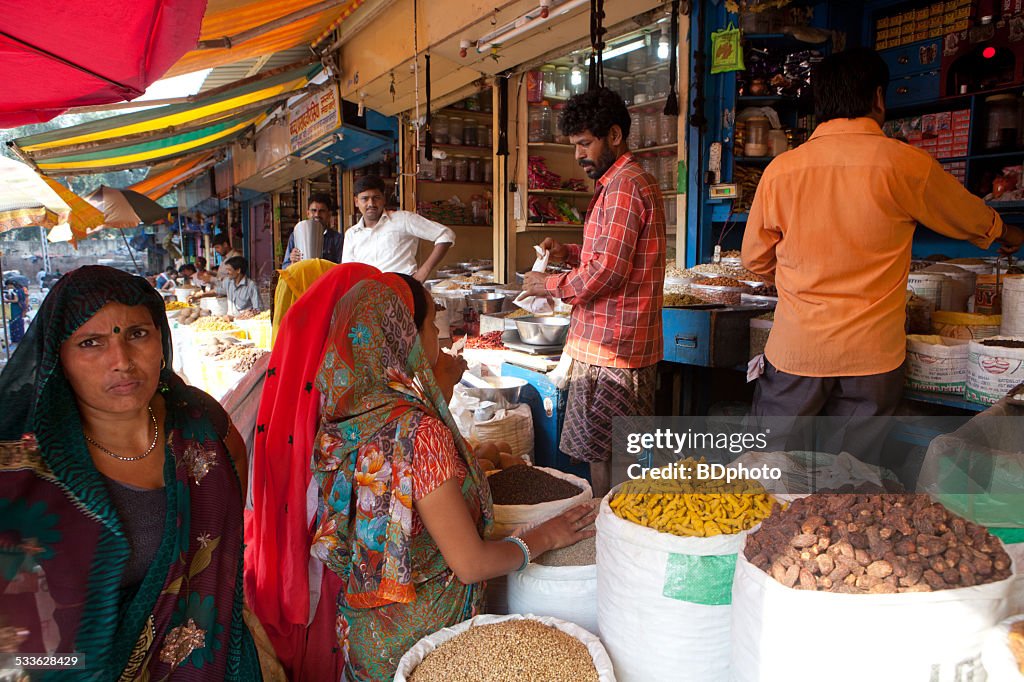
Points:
[(857, 407)]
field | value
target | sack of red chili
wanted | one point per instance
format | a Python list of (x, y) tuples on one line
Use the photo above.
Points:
[(895, 575)]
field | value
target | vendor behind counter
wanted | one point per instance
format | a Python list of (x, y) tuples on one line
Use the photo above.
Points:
[(242, 293)]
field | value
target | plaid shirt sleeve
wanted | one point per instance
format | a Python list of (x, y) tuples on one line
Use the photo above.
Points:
[(612, 262)]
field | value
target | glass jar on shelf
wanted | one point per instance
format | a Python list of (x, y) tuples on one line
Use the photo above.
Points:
[(650, 128), (563, 78), (756, 141), (539, 124), (455, 130), (642, 88), (427, 169), (650, 164), (534, 86), (667, 176), (484, 97), (476, 170), (547, 73), (635, 132), (460, 165), (613, 83), (488, 170), (470, 133), (626, 87), (445, 169), (439, 127), (668, 131), (670, 211), (636, 60), (1002, 121), (484, 135), (660, 83), (556, 130)]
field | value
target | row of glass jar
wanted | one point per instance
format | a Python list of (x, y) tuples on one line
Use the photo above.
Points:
[(663, 166), (456, 168), (455, 130), (646, 87), (555, 81), (651, 128)]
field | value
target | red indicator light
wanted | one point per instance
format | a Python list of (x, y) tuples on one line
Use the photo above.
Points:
[(988, 52)]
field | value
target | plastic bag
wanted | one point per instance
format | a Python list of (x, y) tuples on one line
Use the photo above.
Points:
[(538, 305), (726, 50), (566, 592)]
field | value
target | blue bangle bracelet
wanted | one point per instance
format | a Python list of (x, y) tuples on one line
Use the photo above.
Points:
[(523, 547)]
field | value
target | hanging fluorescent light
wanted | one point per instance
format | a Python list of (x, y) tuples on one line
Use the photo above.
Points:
[(276, 168), (663, 46), (526, 22), (576, 77), (623, 49), (318, 148)]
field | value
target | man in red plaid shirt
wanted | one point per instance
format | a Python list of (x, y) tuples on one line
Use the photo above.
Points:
[(615, 286)]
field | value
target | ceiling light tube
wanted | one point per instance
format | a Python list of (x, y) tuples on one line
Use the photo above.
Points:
[(623, 49), (526, 22), (276, 168), (318, 148)]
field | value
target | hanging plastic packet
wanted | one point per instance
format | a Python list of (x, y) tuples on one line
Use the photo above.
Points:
[(726, 50), (538, 305)]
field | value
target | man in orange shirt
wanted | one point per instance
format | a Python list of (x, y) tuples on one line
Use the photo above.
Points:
[(832, 221)]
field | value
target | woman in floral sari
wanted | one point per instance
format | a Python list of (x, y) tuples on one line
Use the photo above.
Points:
[(120, 500), (404, 506)]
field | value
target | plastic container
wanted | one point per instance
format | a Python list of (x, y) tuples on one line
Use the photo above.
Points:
[(1002, 121), (757, 137), (636, 122), (668, 130), (643, 88), (778, 141), (455, 130), (988, 295), (476, 170), (539, 129), (649, 128), (550, 88), (723, 295), (439, 126), (649, 163), (667, 174), (556, 131), (485, 134), (470, 134), (488, 170), (613, 83), (563, 77), (636, 60), (627, 85), (445, 170), (534, 87), (1013, 306), (660, 83), (461, 168)]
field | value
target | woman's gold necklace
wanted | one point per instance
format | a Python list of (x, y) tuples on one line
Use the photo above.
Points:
[(152, 446)]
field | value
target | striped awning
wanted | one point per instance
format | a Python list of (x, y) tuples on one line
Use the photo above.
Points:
[(164, 133), (163, 178)]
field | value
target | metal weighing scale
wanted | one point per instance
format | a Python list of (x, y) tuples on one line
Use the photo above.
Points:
[(512, 340)]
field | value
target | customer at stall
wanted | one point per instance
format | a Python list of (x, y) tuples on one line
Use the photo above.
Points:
[(120, 487), (17, 300), (242, 293), (388, 240), (319, 208), (188, 271), (615, 286), (832, 223), (222, 245), (165, 281), (390, 463)]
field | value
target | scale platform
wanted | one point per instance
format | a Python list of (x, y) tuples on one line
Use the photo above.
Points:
[(512, 340)]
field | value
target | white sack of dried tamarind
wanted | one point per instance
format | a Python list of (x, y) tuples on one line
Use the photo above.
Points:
[(561, 583), (868, 587), (666, 552), (510, 648)]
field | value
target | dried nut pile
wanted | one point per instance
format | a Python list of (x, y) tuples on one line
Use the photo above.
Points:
[(214, 324), (714, 269), (719, 282), (583, 553), (673, 272), (673, 299), (510, 651), (692, 507), (875, 544), (1003, 343), (529, 485), (191, 315), (176, 305)]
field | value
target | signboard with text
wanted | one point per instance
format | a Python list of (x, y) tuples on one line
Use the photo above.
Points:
[(313, 117)]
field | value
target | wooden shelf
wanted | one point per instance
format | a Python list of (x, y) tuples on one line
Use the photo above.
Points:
[(549, 145), (453, 182), (649, 104), (487, 116), (560, 192), (465, 225), (659, 148), (464, 149)]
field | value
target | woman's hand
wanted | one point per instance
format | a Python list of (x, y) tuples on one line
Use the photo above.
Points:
[(448, 371), (563, 530)]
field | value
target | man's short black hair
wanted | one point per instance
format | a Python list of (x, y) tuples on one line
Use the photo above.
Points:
[(595, 111), (321, 198), (845, 83), (184, 269), (368, 182), (219, 239), (238, 263)]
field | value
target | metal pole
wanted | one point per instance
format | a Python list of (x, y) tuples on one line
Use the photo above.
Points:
[(46, 249), (130, 253), (3, 313)]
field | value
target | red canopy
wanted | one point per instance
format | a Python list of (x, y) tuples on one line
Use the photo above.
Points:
[(58, 55)]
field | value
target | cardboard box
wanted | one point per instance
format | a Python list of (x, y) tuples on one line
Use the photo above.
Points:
[(944, 122), (922, 14), (962, 115)]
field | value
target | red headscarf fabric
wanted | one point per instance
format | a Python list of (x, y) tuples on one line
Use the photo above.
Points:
[(278, 533)]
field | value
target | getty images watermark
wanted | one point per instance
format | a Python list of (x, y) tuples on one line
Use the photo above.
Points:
[(684, 444)]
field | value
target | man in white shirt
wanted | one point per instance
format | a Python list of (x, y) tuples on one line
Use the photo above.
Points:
[(388, 240)]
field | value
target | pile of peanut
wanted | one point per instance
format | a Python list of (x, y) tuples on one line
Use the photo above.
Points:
[(875, 544), (510, 651)]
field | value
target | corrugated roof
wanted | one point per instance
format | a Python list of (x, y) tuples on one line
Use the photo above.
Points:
[(232, 73)]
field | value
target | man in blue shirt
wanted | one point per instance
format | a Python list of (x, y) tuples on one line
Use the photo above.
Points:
[(319, 208)]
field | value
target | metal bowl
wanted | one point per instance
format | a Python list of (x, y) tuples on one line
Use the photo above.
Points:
[(485, 303), (543, 331), (484, 288), (502, 388)]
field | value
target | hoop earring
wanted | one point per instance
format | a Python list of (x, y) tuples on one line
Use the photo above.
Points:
[(163, 364)]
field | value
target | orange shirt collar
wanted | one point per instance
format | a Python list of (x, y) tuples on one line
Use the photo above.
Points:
[(848, 126)]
